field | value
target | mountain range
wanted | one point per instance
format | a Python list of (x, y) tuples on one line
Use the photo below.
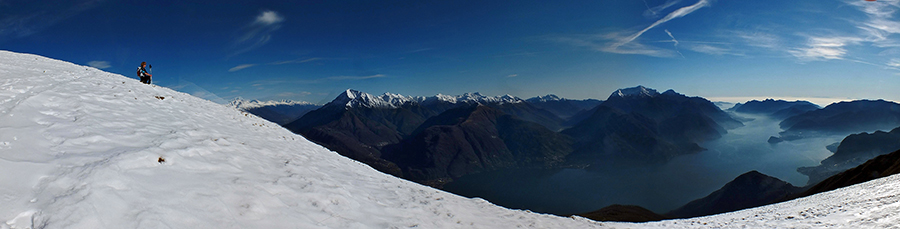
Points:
[(843, 118), (779, 109), (562, 107), (641, 125), (435, 139), (280, 112)]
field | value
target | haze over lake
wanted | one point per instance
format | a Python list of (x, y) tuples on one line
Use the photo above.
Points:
[(658, 188)]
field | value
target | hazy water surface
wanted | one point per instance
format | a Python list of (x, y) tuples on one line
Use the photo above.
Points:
[(660, 189)]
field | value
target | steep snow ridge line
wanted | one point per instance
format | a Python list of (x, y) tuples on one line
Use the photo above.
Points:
[(868, 205), (84, 155)]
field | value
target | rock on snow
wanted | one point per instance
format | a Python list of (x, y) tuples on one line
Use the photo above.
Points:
[(80, 148)]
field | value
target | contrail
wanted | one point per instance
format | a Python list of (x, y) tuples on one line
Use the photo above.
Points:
[(675, 14)]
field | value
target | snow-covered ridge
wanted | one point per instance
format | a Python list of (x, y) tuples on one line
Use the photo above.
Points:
[(240, 103), (545, 98), (353, 98), (83, 148), (639, 91)]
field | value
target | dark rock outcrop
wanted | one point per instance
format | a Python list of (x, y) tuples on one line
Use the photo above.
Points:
[(751, 189), (475, 139), (623, 213), (881, 166)]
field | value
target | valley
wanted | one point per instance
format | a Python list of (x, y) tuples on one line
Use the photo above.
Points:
[(658, 188), (639, 147)]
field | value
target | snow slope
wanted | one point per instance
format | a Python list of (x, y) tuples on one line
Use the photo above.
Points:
[(79, 148)]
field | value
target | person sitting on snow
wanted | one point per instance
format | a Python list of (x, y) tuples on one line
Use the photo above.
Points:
[(142, 73)]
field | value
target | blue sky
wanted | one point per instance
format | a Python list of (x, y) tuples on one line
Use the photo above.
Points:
[(822, 50)]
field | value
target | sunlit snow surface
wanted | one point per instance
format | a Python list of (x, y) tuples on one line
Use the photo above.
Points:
[(79, 149)]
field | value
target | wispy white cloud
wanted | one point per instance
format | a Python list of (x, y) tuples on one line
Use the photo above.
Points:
[(421, 50), (99, 64), (654, 11), (758, 39), (293, 94), (356, 77), (239, 67), (674, 43), (824, 48), (712, 50), (601, 43), (512, 75), (625, 42), (15, 24), (894, 63), (681, 12), (296, 61), (258, 32), (268, 18), (880, 23)]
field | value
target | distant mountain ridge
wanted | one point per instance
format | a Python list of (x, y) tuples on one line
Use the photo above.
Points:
[(433, 139), (241, 103), (776, 108), (367, 128), (844, 118), (562, 107), (354, 98), (280, 112), (640, 124)]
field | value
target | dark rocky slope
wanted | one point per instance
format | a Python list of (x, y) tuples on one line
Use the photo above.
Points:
[(751, 189)]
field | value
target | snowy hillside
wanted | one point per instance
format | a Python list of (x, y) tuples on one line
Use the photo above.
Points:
[(80, 148)]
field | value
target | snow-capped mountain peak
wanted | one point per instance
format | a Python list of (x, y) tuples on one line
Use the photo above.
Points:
[(639, 91), (353, 98), (545, 98), (481, 99)]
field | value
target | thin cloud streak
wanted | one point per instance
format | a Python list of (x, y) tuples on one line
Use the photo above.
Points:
[(712, 50), (23, 24), (681, 12), (296, 61), (894, 63), (623, 42), (824, 48), (675, 43), (239, 67), (654, 12), (258, 32), (99, 64), (356, 77)]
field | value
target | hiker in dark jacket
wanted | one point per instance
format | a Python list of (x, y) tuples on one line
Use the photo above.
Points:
[(142, 73)]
